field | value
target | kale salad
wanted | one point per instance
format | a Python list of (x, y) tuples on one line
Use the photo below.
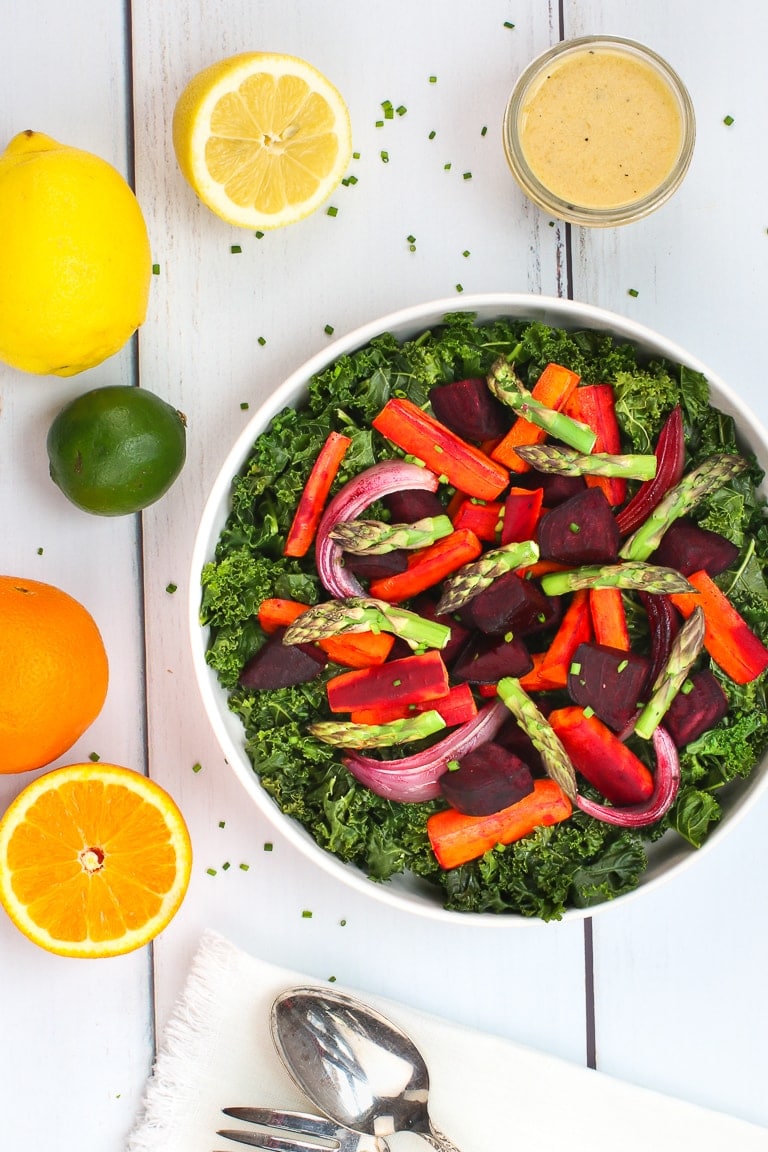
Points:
[(580, 860)]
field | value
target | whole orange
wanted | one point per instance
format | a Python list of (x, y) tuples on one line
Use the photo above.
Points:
[(53, 673)]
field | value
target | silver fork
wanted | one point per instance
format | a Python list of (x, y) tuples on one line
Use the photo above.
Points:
[(285, 1131)]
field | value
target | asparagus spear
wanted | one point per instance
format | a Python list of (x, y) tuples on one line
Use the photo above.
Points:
[(685, 648), (569, 462), (509, 388), (473, 578), (374, 537), (343, 734), (544, 738), (365, 614), (640, 576), (679, 500)]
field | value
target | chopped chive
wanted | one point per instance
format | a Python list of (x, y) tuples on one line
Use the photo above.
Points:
[(467, 176), (171, 588), (624, 664), (306, 914), (259, 235), (484, 130), (447, 167), (588, 711), (508, 637), (459, 287), (432, 134), (433, 79), (261, 340), (155, 269), (342, 923), (401, 109), (234, 249), (226, 866), (39, 551), (466, 252), (355, 155), (268, 846), (244, 867), (197, 767), (94, 756), (379, 123), (244, 405), (328, 329), (331, 979), (332, 211), (384, 157), (222, 823), (508, 24), (633, 292), (728, 120), (389, 111), (453, 765), (396, 683), (210, 871), (686, 688), (575, 668), (351, 180), (574, 527)]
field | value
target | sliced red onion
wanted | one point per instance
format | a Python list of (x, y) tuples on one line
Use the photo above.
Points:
[(415, 778), (353, 498), (667, 782), (670, 457), (664, 624)]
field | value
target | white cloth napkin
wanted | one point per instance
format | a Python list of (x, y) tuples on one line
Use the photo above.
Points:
[(486, 1093)]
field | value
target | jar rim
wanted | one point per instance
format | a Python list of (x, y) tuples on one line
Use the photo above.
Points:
[(575, 213)]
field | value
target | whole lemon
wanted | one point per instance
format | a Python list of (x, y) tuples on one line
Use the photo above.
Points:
[(117, 449), (75, 262)]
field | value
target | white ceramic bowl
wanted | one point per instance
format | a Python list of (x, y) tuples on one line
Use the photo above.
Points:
[(667, 856)]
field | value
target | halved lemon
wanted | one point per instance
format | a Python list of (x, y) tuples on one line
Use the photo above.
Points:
[(262, 138), (95, 860)]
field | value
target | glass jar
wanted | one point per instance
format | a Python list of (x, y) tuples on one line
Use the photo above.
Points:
[(599, 131)]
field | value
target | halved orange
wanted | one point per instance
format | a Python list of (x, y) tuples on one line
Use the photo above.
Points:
[(95, 860), (263, 138)]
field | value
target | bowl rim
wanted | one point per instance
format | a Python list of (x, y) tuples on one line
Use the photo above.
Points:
[(410, 320)]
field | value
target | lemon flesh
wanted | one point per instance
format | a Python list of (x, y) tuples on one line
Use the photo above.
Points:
[(262, 138), (75, 263), (116, 450)]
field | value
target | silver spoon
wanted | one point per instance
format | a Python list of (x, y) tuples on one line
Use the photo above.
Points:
[(356, 1066)]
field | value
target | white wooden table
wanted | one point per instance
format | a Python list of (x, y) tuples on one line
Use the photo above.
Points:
[(667, 991)]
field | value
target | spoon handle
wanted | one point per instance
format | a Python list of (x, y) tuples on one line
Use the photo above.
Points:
[(440, 1141)]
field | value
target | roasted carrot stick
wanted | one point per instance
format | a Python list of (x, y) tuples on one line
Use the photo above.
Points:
[(595, 406), (609, 620), (456, 838), (727, 637), (456, 707), (313, 498), (552, 388), (575, 628), (482, 518), (428, 567), (522, 509), (406, 681), (601, 757), (463, 465)]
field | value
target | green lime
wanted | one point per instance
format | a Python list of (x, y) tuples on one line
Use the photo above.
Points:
[(116, 450)]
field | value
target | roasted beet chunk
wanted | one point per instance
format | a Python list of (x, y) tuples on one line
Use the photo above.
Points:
[(469, 409), (485, 659), (412, 504), (488, 779), (377, 567), (581, 530), (693, 712), (689, 548), (509, 604), (608, 680), (278, 665)]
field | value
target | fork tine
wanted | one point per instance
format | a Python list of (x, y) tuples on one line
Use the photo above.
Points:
[(305, 1122), (273, 1142)]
